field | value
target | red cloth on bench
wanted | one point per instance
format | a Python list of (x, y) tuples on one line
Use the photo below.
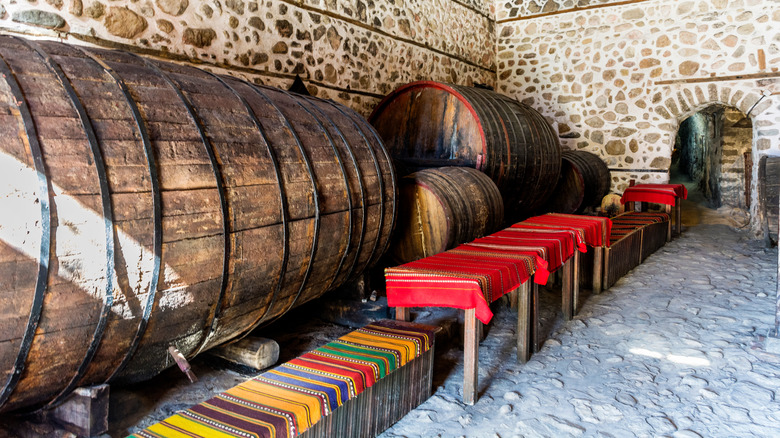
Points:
[(656, 193), (593, 228), (465, 277), (554, 246)]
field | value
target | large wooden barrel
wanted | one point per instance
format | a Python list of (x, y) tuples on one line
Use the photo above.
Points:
[(441, 208), (430, 124), (146, 204), (583, 183)]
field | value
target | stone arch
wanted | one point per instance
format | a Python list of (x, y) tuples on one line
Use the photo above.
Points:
[(683, 100)]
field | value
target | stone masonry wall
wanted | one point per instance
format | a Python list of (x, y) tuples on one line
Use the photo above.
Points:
[(617, 79), (353, 51), (737, 140)]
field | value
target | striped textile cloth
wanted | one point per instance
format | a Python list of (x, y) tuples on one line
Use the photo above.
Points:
[(286, 401), (554, 246), (628, 222), (465, 277), (592, 228), (656, 193)]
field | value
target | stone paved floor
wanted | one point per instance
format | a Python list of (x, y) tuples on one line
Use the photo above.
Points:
[(670, 350)]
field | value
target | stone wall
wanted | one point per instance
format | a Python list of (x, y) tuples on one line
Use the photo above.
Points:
[(617, 79), (351, 51), (737, 134)]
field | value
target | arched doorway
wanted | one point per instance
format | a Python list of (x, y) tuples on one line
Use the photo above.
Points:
[(712, 153)]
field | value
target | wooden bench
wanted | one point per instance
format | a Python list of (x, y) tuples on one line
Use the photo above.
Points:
[(356, 386), (634, 236), (670, 195), (468, 277)]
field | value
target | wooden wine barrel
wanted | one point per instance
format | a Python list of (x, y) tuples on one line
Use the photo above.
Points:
[(430, 124), (583, 183), (441, 208), (147, 204)]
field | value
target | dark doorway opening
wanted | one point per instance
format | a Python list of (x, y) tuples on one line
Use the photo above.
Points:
[(712, 153)]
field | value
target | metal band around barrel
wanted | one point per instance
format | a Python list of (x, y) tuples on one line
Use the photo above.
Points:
[(108, 218), (156, 214), (282, 198), (346, 182), (222, 200), (315, 191), (44, 197)]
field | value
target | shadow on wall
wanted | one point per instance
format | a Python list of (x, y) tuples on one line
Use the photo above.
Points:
[(712, 150)]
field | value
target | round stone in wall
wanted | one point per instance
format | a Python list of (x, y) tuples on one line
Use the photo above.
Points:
[(124, 23), (173, 7)]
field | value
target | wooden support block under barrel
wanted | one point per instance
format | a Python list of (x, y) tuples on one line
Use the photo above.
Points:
[(253, 352), (84, 412)]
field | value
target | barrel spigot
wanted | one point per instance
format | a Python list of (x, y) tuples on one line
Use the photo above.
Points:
[(181, 361)]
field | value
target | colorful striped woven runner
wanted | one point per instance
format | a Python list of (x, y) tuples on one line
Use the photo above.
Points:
[(286, 401)]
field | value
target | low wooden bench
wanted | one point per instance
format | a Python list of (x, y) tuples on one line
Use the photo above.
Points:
[(355, 386), (670, 195), (468, 277), (634, 236)]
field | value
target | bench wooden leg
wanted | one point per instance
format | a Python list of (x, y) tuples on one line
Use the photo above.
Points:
[(669, 225), (534, 317), (513, 299), (575, 282), (524, 321), (470, 357), (678, 216), (598, 265), (402, 314), (605, 275), (567, 290)]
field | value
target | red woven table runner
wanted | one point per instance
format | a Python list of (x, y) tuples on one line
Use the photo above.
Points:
[(593, 228), (628, 222), (466, 277), (554, 246), (656, 193)]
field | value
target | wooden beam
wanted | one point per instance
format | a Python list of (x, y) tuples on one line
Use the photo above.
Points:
[(574, 9), (254, 352), (84, 412), (470, 358), (773, 74)]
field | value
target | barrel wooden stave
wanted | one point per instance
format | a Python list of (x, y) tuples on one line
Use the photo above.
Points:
[(192, 223), (429, 124), (441, 208)]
